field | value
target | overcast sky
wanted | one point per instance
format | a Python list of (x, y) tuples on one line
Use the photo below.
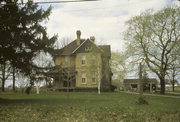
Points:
[(104, 19)]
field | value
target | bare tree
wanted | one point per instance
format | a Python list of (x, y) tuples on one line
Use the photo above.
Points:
[(118, 65), (68, 75), (174, 67), (154, 36), (100, 76), (43, 60), (173, 73), (63, 42)]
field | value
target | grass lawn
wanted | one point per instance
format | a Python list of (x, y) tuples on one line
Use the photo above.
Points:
[(176, 89), (86, 107)]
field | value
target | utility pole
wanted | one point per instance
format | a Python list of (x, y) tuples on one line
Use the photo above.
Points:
[(141, 99)]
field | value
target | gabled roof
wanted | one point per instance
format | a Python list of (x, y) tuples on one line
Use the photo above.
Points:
[(68, 49), (56, 52), (88, 43), (73, 48)]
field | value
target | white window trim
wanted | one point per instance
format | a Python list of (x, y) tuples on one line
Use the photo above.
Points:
[(83, 58), (83, 76)]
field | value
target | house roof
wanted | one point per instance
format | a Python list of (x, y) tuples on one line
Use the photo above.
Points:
[(129, 81), (106, 49), (69, 49), (72, 48), (88, 43), (56, 52)]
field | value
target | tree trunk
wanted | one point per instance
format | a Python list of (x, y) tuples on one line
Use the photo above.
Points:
[(99, 87), (14, 79), (68, 86), (173, 82), (173, 79), (173, 86), (162, 82), (37, 89), (3, 77), (3, 82)]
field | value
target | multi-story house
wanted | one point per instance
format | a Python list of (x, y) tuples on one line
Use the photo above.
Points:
[(82, 64)]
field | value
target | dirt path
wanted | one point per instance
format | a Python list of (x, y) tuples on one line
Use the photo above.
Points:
[(146, 94)]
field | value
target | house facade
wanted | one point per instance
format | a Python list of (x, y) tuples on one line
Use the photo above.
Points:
[(82, 64)]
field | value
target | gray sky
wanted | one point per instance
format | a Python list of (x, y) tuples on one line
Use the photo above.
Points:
[(103, 19)]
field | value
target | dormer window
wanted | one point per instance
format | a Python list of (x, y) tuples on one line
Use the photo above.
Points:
[(83, 60), (88, 48)]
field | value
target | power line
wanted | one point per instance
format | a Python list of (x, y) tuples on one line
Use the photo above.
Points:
[(109, 7), (64, 1), (44, 2)]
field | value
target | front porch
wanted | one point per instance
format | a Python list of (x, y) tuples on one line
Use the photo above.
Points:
[(64, 78), (66, 89)]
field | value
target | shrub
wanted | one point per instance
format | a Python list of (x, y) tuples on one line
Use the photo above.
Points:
[(28, 90), (141, 100)]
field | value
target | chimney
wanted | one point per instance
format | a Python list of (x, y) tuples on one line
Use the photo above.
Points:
[(78, 40), (92, 38)]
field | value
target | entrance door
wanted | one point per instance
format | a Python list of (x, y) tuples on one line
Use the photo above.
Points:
[(65, 84)]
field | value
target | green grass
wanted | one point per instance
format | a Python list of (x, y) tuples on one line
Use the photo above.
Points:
[(176, 89), (87, 107)]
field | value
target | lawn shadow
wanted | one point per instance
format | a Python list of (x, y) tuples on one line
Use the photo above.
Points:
[(14, 101), (53, 101)]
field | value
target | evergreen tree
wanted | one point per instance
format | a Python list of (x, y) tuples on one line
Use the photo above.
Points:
[(22, 35)]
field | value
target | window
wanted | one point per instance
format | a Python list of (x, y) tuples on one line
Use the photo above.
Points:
[(93, 77), (83, 60), (88, 48), (83, 78)]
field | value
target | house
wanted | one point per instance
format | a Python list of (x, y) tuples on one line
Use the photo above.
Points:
[(82, 65), (133, 84)]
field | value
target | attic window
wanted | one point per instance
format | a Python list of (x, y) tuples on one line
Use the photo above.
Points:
[(88, 48)]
